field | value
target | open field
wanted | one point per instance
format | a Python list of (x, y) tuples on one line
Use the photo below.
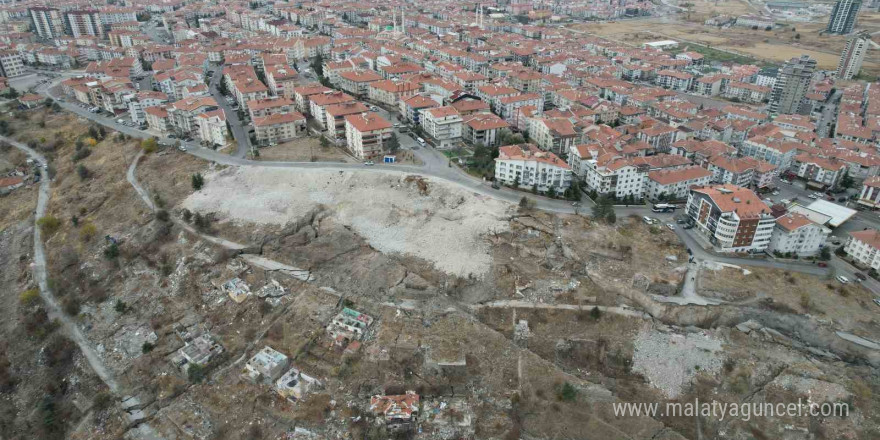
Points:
[(304, 150), (775, 46)]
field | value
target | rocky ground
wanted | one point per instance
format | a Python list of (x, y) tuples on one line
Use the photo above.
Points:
[(510, 323)]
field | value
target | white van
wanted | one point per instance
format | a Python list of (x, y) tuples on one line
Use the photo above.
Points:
[(648, 220), (842, 279), (420, 141)]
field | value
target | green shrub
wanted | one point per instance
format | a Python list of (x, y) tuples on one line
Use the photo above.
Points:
[(49, 224), (29, 297)]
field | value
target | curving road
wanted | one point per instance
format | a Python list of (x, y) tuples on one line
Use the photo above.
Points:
[(135, 416), (435, 166)]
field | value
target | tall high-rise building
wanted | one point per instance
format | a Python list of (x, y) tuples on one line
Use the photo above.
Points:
[(47, 22), (843, 16), (84, 23), (791, 86), (852, 56), (11, 64)]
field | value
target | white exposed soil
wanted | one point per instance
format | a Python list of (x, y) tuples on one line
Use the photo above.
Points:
[(670, 361), (446, 226)]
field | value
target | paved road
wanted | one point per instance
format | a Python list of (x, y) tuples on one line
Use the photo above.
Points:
[(701, 254), (238, 131), (437, 166), (40, 271)]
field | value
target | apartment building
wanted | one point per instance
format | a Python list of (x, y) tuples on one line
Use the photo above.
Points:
[(747, 92), (528, 166), (11, 64), (674, 80), (212, 127), (157, 119), (869, 196), (47, 22), (412, 108), (556, 135), (281, 80), (819, 171), (732, 218), (302, 94), (775, 152), (140, 101), (84, 23), (335, 117), (319, 102), (391, 92), (675, 184), (795, 233), (358, 82), (367, 135), (279, 127), (443, 126), (270, 106), (509, 107), (182, 114), (482, 128), (863, 247), (620, 176)]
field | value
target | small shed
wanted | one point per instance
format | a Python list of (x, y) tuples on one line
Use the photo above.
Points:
[(389, 158)]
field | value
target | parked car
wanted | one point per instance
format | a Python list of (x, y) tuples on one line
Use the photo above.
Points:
[(369, 163), (670, 226), (842, 279), (775, 193), (648, 220), (842, 200), (182, 147), (861, 276), (823, 264), (420, 141)]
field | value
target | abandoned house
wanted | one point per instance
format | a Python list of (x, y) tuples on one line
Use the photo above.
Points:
[(294, 384), (266, 366)]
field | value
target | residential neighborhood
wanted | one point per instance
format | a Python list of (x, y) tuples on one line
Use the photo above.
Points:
[(504, 219)]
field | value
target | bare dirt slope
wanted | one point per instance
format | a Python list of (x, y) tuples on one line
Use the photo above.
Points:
[(394, 213)]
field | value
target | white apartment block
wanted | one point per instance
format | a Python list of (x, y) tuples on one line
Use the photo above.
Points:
[(443, 125), (212, 127), (863, 248), (675, 184), (798, 234), (528, 166), (11, 64)]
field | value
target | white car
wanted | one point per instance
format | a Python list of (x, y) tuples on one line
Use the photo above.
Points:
[(813, 196), (181, 148), (369, 163), (670, 226), (842, 279)]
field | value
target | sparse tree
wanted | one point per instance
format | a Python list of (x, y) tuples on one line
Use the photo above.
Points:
[(197, 181), (393, 143), (83, 172)]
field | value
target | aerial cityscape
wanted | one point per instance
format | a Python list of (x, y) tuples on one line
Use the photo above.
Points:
[(508, 219)]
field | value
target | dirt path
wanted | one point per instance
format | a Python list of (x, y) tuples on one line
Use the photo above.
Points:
[(517, 304), (261, 262), (136, 417)]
